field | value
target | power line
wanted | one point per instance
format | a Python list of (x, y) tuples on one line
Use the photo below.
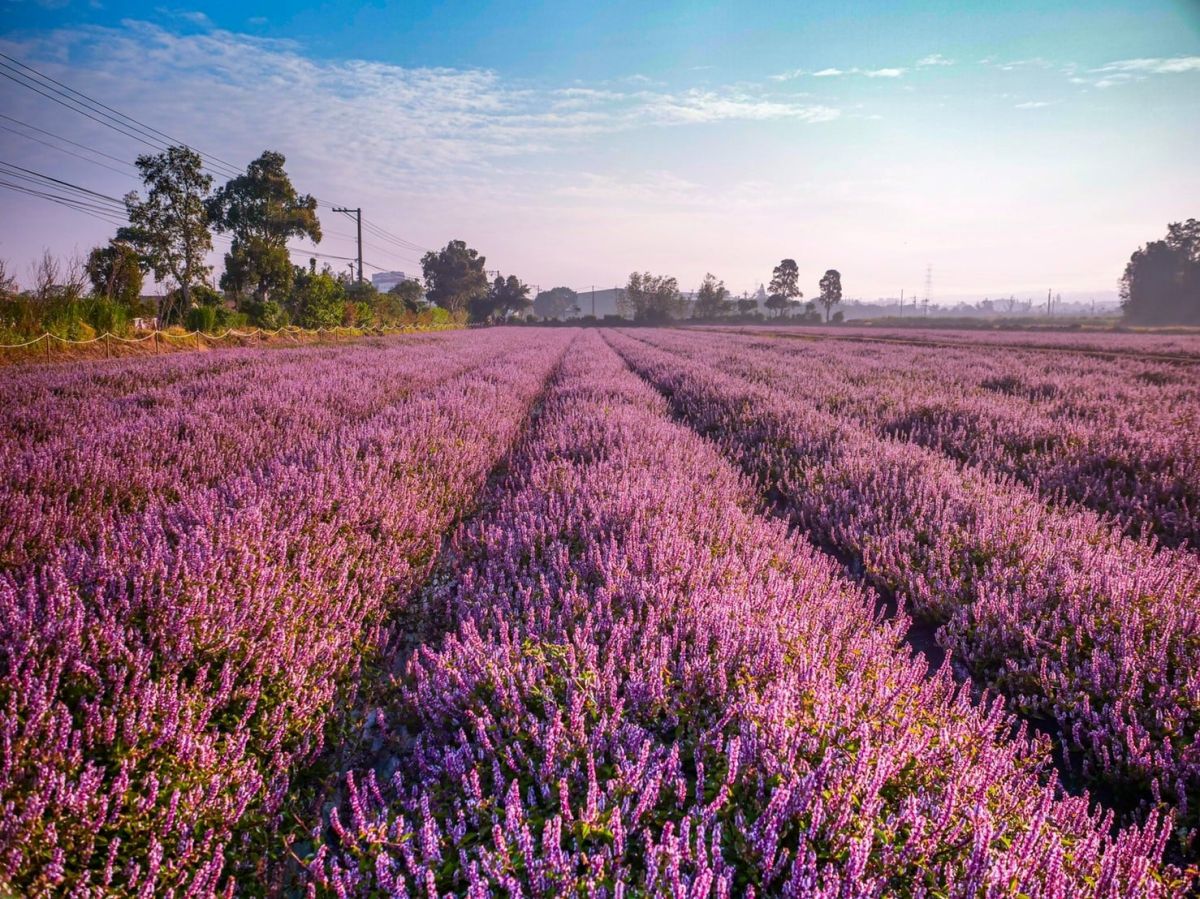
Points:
[(25, 124), (87, 112), (46, 143), (96, 106), (30, 175), (96, 212)]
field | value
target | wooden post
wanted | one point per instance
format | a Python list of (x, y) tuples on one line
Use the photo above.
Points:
[(107, 346), (46, 337)]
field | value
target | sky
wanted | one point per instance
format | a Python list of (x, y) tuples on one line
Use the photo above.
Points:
[(1013, 147)]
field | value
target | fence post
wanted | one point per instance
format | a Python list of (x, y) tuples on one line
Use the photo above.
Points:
[(156, 350), (107, 346), (46, 337)]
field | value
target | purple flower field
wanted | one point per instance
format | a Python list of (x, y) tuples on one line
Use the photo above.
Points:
[(550, 612)]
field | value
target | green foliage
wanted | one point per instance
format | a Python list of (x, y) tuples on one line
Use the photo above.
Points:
[(262, 211), (1161, 283), (507, 297), (651, 298), (555, 303), (116, 273), (712, 300), (201, 318), (318, 299), (103, 314), (169, 229), (399, 305), (454, 276), (267, 314)]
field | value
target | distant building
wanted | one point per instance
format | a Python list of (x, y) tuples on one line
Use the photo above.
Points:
[(385, 281)]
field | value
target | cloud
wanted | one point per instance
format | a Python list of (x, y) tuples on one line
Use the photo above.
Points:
[(698, 106), (1154, 66), (426, 128), (935, 59), (1032, 104), (1125, 71), (833, 73), (257, 20)]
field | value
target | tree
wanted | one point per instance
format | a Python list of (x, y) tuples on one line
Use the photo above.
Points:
[(8, 283), (318, 298), (784, 285), (831, 291), (116, 273), (454, 276), (169, 229), (554, 303), (747, 305), (410, 294), (506, 297), (712, 300), (510, 296), (262, 211), (777, 302), (651, 298), (1161, 283)]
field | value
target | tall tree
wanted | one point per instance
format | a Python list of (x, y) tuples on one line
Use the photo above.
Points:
[(510, 296), (831, 291), (784, 287), (116, 272), (651, 298), (454, 276), (1161, 283), (506, 296), (712, 300), (262, 211), (555, 302), (169, 229)]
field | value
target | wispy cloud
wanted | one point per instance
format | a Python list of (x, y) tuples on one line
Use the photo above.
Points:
[(1154, 66), (832, 72), (895, 72), (422, 125), (934, 59), (1124, 71), (1033, 104)]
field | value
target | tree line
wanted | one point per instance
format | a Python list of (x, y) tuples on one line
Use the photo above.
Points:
[(655, 298), (1161, 282), (170, 236)]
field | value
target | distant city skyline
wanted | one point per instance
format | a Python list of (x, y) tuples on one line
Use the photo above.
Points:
[(1016, 149)]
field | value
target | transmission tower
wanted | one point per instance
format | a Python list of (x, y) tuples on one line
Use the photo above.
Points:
[(928, 287)]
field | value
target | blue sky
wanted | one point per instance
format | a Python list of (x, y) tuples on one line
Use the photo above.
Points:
[(1013, 146)]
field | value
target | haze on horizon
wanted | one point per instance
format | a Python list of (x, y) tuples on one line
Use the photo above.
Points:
[(1014, 148)]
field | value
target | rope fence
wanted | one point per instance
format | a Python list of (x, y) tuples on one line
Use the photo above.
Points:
[(157, 334)]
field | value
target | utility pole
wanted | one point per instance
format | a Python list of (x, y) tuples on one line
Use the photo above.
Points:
[(1048, 302), (593, 301), (902, 302), (928, 287), (358, 217)]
